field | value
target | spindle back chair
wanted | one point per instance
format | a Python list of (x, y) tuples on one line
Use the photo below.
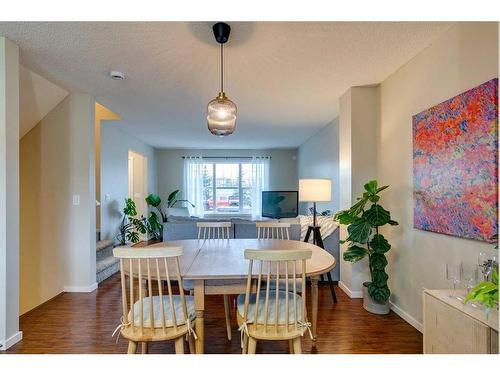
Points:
[(271, 315), (213, 230), (273, 230), (154, 314)]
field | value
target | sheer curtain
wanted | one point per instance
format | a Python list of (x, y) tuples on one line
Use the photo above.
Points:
[(193, 184), (260, 182)]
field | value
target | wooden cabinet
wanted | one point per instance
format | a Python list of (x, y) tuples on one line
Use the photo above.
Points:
[(451, 327)]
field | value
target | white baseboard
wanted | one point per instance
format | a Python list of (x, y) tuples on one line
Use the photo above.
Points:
[(407, 317), (350, 293), (80, 289), (12, 340)]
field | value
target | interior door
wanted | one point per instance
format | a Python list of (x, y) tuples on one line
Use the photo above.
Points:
[(137, 181)]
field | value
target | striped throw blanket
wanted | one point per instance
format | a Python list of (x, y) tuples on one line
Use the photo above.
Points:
[(325, 222)]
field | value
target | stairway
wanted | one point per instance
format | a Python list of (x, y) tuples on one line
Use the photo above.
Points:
[(106, 264)]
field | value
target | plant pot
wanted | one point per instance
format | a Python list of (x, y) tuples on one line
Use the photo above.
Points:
[(373, 306)]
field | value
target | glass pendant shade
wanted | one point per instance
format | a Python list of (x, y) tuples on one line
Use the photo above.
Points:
[(221, 115)]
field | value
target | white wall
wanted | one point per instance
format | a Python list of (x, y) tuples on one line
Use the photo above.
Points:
[(9, 194), (318, 157), (57, 237), (464, 57), (115, 145), (170, 167)]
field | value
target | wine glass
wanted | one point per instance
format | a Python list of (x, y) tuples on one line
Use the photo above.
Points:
[(470, 276), (454, 274)]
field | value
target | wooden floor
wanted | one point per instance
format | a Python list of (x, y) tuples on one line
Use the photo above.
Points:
[(83, 323)]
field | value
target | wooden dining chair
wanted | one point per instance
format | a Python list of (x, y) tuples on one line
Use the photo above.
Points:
[(149, 317), (270, 315), (273, 230), (277, 231), (215, 230)]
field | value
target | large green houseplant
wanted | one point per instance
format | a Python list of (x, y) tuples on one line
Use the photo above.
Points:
[(364, 238), (131, 226), (154, 200), (156, 219)]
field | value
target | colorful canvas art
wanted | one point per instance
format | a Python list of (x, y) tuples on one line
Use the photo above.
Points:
[(455, 165)]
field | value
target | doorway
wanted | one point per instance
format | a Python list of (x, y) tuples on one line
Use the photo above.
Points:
[(138, 181)]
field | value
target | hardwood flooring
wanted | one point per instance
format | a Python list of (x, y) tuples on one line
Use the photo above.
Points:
[(83, 323)]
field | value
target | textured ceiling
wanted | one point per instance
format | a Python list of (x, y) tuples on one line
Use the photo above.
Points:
[(285, 77)]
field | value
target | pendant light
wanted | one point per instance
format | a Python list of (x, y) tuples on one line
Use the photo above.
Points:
[(221, 112)]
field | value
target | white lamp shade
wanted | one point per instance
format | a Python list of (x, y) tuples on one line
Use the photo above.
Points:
[(315, 190)]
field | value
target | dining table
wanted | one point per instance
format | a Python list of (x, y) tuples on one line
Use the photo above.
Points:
[(218, 266)]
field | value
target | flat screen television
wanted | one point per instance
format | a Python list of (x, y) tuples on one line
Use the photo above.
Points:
[(280, 204)]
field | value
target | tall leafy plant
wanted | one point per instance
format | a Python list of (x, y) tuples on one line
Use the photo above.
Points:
[(364, 238), (155, 201), (172, 199), (131, 226)]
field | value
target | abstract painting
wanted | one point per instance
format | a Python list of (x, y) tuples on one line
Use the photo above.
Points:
[(455, 165)]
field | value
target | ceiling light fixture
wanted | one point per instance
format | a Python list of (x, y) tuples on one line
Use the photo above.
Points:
[(221, 112)]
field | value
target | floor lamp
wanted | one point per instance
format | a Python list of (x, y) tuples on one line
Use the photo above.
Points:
[(317, 190)]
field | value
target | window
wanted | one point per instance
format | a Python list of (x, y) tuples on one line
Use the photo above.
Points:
[(227, 187), (230, 186)]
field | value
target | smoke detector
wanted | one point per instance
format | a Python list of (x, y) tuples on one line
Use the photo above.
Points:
[(116, 75)]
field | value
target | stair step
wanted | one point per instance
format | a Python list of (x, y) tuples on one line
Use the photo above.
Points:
[(101, 245), (106, 267)]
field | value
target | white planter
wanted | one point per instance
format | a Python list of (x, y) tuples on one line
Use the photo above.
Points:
[(373, 306)]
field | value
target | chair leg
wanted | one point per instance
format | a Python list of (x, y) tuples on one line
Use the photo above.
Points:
[(179, 345), (297, 346), (252, 345), (227, 313), (290, 346), (192, 347), (132, 347), (144, 348)]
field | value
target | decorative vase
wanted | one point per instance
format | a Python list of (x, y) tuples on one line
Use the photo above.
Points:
[(373, 306)]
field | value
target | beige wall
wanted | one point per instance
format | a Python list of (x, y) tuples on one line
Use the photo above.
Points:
[(101, 114), (464, 57), (9, 194), (57, 237), (358, 123)]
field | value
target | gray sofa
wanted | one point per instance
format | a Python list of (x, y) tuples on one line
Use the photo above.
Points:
[(184, 228)]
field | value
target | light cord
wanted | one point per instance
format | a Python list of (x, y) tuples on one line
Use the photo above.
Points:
[(221, 67)]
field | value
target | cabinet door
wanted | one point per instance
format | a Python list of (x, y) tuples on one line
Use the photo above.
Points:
[(494, 342), (448, 330)]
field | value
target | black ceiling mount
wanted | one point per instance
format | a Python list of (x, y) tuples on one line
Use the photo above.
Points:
[(221, 32)]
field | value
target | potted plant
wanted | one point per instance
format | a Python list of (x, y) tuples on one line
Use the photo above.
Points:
[(130, 227), (155, 201), (364, 239), (486, 292)]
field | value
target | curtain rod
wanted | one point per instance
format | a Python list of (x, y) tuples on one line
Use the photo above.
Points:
[(228, 157)]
